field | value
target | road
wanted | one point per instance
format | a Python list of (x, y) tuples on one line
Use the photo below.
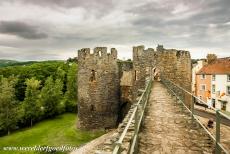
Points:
[(211, 115)]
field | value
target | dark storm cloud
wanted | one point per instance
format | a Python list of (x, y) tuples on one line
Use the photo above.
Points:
[(196, 23), (214, 11), (21, 29), (205, 12)]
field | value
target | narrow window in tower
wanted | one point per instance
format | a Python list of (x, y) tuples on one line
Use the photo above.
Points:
[(92, 108), (93, 76), (135, 75)]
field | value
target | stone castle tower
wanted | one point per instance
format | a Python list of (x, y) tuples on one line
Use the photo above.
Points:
[(176, 66), (143, 63), (172, 64), (98, 92), (107, 87)]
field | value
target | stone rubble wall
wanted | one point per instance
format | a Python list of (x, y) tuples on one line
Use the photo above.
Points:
[(98, 88), (143, 61), (172, 64), (109, 144), (126, 85), (103, 97), (175, 65)]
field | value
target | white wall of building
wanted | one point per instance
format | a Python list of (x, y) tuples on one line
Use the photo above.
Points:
[(221, 84)]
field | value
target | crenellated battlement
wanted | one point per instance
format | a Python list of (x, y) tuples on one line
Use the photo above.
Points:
[(100, 89), (98, 53), (160, 48), (140, 51), (174, 52), (183, 53)]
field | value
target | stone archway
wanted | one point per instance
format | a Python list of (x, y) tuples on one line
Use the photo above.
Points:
[(156, 74)]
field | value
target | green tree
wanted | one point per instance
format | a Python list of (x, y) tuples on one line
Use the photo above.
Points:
[(31, 104), (60, 74), (1, 77), (8, 105), (71, 93), (51, 95), (39, 70), (58, 87)]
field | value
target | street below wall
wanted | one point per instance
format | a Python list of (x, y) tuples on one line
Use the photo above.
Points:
[(209, 115)]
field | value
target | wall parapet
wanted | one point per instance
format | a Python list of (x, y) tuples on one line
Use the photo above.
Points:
[(99, 53)]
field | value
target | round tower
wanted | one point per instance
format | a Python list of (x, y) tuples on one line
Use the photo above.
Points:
[(98, 88)]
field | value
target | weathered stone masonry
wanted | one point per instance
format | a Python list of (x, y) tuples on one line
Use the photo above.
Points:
[(143, 63), (126, 87), (107, 88), (98, 92), (174, 65)]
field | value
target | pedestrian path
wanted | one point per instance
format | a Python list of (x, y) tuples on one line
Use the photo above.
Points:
[(168, 129)]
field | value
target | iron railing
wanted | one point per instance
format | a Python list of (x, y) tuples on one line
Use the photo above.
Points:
[(137, 116), (180, 93)]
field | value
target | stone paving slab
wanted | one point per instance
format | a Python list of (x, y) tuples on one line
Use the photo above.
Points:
[(169, 129)]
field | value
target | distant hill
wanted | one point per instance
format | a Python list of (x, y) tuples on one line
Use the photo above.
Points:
[(5, 62)]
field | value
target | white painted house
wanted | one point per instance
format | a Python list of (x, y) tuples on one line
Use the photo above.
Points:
[(220, 91), (219, 72)]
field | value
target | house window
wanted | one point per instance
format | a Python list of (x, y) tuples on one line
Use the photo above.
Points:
[(202, 87), (223, 105), (213, 88), (213, 103), (228, 90), (203, 76), (213, 77), (228, 78)]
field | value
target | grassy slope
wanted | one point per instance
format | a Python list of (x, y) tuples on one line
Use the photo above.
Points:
[(56, 132)]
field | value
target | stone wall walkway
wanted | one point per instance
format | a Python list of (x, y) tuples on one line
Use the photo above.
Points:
[(169, 129)]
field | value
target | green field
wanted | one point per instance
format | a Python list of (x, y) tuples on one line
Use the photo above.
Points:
[(55, 132)]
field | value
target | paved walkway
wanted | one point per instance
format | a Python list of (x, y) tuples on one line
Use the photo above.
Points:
[(168, 129)]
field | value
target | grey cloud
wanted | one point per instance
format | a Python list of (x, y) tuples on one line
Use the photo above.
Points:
[(22, 30), (69, 3), (97, 7), (214, 11), (205, 12), (197, 24), (156, 19)]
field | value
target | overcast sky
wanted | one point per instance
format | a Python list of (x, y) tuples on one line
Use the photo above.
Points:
[(56, 29)]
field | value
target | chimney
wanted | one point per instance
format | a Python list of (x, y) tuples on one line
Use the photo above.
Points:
[(211, 58)]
